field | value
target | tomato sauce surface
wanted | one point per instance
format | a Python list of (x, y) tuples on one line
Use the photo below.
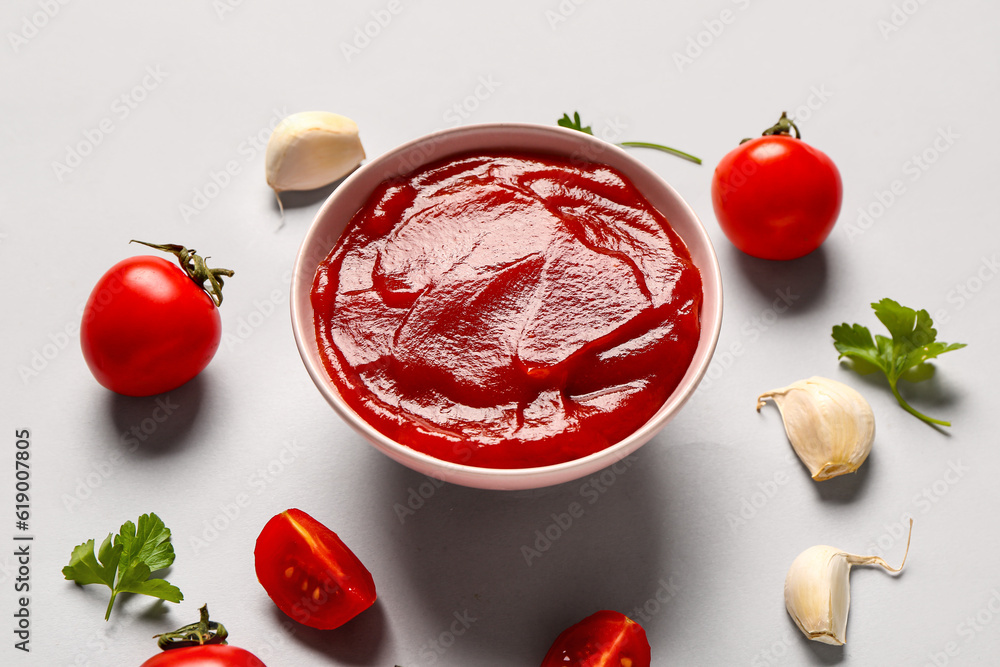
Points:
[(507, 310)]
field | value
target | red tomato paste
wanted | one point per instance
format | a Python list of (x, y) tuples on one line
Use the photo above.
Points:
[(507, 310)]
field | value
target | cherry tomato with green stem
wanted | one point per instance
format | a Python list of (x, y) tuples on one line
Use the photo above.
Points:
[(150, 326), (777, 197), (201, 644)]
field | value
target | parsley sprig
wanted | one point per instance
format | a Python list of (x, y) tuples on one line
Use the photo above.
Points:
[(124, 564), (575, 123), (902, 357)]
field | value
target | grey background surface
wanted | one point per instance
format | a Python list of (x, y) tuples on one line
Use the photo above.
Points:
[(695, 537)]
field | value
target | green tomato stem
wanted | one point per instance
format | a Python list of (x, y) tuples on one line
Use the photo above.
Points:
[(906, 406), (784, 126), (660, 147), (194, 265), (203, 632)]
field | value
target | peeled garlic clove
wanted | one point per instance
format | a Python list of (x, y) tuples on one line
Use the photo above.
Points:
[(830, 425), (818, 590), (311, 149)]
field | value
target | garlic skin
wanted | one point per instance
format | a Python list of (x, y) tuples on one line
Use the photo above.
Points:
[(818, 590), (830, 425), (818, 594), (311, 149)]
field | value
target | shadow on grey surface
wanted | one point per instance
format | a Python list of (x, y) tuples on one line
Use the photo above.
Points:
[(357, 642), (154, 610), (931, 397), (515, 568), (129, 607), (790, 287), (158, 425), (301, 198), (822, 654), (848, 488)]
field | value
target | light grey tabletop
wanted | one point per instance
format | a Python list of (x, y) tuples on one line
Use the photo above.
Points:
[(123, 120)]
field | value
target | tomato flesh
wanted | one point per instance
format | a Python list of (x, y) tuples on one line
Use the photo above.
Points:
[(309, 573), (776, 197), (213, 655), (148, 327), (605, 639)]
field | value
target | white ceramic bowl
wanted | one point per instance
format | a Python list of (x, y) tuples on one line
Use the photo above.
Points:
[(348, 198)]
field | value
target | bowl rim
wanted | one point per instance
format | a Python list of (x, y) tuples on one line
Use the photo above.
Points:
[(309, 256)]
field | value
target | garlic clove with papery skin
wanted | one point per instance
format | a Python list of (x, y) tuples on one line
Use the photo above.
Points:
[(311, 149), (818, 590), (818, 594), (830, 425)]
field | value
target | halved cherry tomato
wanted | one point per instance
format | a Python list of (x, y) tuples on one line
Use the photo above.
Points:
[(605, 639), (310, 573), (776, 197)]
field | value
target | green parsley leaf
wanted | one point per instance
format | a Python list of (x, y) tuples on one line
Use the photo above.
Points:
[(903, 356), (125, 563), (83, 568), (575, 123), (150, 543)]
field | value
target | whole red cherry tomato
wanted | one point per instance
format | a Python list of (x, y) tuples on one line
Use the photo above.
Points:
[(776, 197), (212, 655), (149, 326), (201, 644), (604, 639), (309, 573)]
